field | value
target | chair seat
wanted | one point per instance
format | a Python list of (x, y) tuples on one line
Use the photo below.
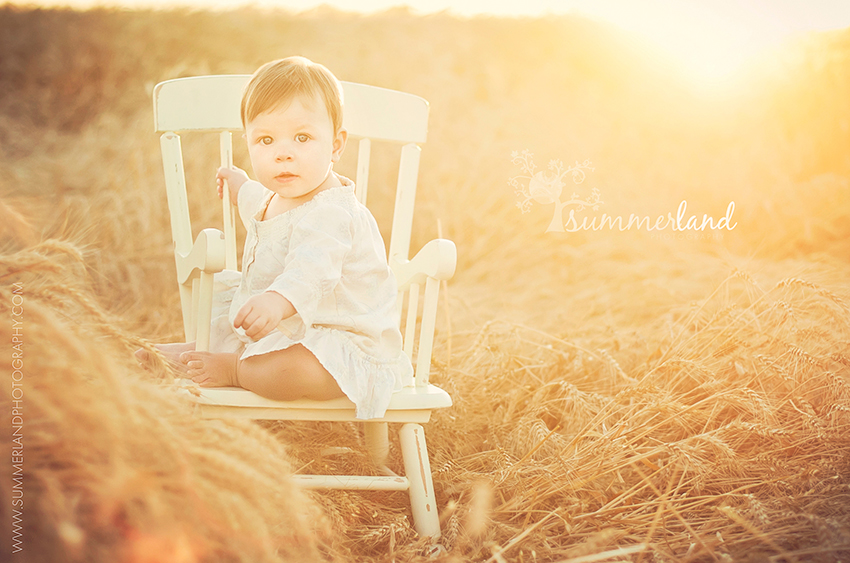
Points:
[(407, 405)]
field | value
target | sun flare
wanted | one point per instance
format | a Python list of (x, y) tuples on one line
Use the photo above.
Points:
[(710, 48)]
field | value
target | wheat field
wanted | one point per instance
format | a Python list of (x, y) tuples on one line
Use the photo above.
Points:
[(618, 396)]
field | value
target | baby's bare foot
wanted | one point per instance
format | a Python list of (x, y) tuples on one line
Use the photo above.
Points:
[(171, 352), (209, 369)]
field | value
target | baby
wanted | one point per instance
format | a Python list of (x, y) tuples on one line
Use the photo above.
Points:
[(314, 315)]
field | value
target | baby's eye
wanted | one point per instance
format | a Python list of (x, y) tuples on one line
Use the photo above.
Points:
[(265, 140), (302, 137)]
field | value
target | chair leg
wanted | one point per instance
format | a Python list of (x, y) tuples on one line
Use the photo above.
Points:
[(376, 436), (417, 469)]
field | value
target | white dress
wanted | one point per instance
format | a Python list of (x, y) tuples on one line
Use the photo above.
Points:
[(328, 259)]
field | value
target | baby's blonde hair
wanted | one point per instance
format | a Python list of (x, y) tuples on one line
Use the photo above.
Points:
[(281, 81)]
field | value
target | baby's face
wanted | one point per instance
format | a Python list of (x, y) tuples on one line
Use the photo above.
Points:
[(293, 148)]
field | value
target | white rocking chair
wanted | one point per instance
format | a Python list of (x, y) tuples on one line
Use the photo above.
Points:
[(211, 103)]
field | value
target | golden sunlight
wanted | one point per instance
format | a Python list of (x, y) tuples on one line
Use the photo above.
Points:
[(709, 43), (710, 46)]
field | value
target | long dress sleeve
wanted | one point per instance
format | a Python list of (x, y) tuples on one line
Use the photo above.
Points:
[(313, 265)]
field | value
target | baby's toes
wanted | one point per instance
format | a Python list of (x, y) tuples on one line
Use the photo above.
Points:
[(201, 380), (190, 355)]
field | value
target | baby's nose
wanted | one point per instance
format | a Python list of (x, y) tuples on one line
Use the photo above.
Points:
[(283, 152)]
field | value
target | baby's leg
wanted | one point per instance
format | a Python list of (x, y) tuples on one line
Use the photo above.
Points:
[(286, 375), (282, 375)]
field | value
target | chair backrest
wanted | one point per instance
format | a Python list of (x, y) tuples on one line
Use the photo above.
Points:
[(212, 103)]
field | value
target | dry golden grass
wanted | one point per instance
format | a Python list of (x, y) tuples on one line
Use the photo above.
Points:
[(116, 468), (617, 396)]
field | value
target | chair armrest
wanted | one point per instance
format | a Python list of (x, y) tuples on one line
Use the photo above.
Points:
[(207, 255), (437, 260)]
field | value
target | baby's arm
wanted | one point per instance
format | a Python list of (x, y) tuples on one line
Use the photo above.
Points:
[(235, 179), (262, 313)]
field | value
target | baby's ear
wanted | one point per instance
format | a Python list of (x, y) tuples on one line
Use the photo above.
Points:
[(339, 144)]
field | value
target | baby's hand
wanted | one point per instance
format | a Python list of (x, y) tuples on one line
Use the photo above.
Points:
[(235, 178), (262, 313)]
